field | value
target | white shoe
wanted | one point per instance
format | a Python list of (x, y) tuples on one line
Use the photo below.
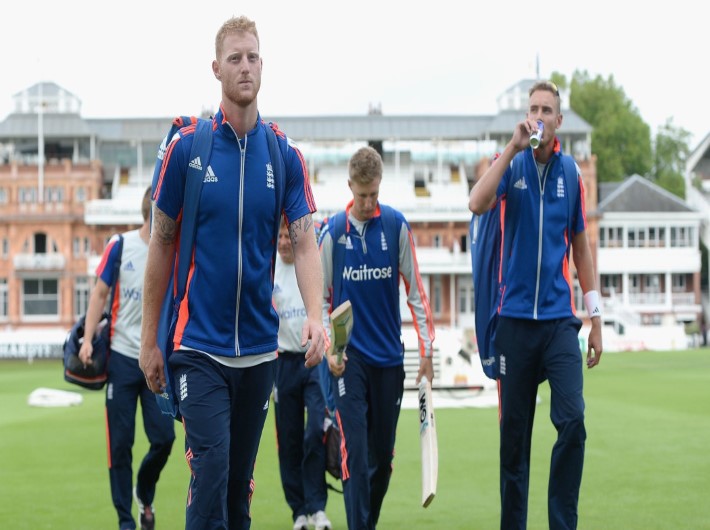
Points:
[(320, 521), (301, 523)]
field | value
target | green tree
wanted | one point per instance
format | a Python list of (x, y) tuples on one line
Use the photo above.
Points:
[(670, 153), (620, 139), (559, 79)]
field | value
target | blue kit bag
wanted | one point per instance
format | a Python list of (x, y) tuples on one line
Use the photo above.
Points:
[(95, 375)]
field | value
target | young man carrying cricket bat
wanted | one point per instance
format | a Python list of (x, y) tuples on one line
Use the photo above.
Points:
[(364, 252)]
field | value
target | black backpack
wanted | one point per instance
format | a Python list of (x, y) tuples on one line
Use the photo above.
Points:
[(92, 376)]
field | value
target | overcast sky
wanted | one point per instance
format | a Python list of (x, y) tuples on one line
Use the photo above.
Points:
[(153, 58)]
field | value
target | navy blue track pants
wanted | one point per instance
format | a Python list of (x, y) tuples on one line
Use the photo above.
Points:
[(531, 351), (126, 385), (223, 411), (368, 400), (300, 437)]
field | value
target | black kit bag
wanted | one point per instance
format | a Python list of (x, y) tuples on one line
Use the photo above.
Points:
[(332, 450), (92, 376)]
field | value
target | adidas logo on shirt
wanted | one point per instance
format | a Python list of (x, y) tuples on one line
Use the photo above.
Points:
[(129, 267), (209, 174), (196, 163), (520, 184), (343, 240)]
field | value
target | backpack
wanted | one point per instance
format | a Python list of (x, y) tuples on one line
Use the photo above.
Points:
[(95, 375), (202, 147), (489, 253)]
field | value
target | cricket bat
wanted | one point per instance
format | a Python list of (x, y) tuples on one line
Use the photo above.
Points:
[(427, 438), (341, 325)]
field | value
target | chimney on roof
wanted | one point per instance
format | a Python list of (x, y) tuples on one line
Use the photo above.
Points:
[(374, 109)]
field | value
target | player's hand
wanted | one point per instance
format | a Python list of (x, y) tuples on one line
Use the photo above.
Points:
[(314, 332), (521, 134), (87, 349), (426, 367), (337, 368), (150, 362), (594, 343)]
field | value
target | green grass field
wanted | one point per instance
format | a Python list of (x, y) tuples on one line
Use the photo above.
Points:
[(647, 465)]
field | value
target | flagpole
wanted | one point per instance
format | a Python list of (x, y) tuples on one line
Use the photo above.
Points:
[(40, 147)]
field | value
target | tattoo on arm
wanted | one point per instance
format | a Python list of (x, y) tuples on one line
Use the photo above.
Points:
[(164, 228), (298, 227)]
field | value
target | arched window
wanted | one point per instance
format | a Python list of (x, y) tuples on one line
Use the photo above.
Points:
[(40, 243)]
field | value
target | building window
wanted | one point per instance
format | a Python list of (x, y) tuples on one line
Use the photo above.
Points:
[(436, 241), (76, 246), (611, 284), (40, 297), (48, 194), (465, 295), (637, 237), (611, 236), (3, 196), (40, 243), (656, 236), (5, 248), (81, 295), (28, 195), (680, 236), (87, 246), (80, 195), (679, 283), (436, 298), (3, 299), (465, 243), (651, 283), (634, 283)]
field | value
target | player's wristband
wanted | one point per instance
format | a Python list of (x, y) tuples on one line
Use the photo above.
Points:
[(593, 304)]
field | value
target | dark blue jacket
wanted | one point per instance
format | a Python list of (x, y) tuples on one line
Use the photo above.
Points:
[(227, 310)]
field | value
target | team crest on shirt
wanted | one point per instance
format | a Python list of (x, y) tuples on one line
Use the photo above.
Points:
[(269, 176)]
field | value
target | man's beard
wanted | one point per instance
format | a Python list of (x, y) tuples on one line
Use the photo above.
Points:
[(241, 97)]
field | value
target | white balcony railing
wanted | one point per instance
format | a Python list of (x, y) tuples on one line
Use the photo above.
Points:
[(39, 261)]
